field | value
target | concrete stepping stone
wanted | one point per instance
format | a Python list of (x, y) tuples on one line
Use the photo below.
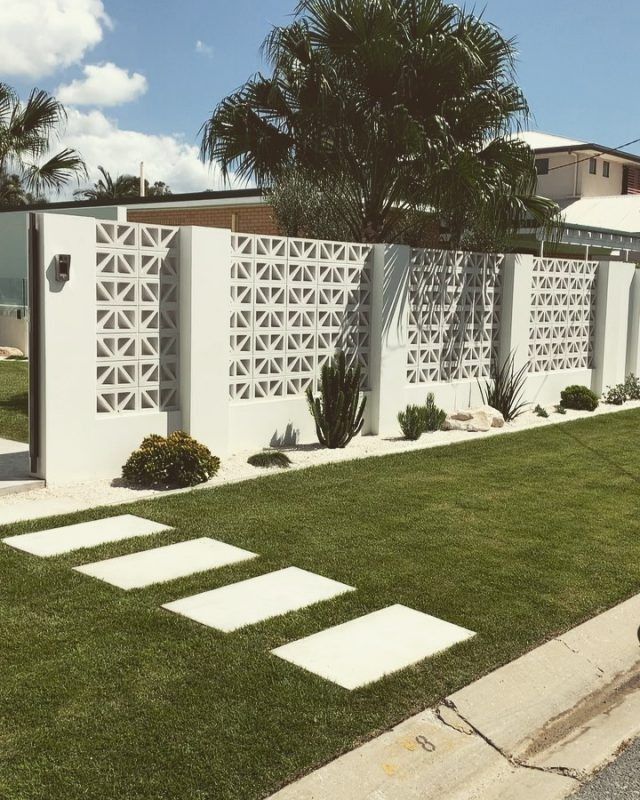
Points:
[(56, 541), (166, 563), (365, 649), (247, 602)]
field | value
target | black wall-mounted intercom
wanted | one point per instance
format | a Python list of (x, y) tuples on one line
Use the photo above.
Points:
[(63, 267)]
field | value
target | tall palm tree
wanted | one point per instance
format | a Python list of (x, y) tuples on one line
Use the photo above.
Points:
[(398, 105), (26, 133), (109, 188), (13, 193)]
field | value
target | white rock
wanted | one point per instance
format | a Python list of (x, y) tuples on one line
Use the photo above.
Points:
[(481, 422), (474, 419), (11, 352), (497, 420), (451, 424), (462, 416)]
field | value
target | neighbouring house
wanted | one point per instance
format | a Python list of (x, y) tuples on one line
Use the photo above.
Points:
[(241, 210), (598, 191)]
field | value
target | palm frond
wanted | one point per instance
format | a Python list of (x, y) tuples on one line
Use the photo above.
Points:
[(56, 172)]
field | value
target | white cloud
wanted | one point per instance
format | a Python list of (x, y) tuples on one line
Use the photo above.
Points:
[(204, 49), (103, 85), (166, 158), (37, 37)]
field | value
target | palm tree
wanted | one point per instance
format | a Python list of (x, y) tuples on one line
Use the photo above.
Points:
[(156, 189), (109, 188), (13, 193), (399, 105), (26, 133)]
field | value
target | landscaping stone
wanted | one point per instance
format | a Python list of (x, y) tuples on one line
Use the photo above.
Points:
[(247, 602), (365, 649), (55, 541), (479, 419), (11, 352), (165, 563)]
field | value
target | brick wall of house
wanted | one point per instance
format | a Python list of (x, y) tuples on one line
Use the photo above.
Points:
[(249, 218)]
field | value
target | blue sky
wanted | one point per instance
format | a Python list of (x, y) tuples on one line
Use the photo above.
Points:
[(578, 66)]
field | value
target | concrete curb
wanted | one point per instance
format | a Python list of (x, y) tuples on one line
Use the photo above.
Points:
[(537, 727)]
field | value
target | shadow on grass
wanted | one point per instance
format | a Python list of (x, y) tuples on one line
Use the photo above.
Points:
[(17, 402), (599, 453)]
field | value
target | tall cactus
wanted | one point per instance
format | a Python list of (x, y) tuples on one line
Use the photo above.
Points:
[(338, 411)]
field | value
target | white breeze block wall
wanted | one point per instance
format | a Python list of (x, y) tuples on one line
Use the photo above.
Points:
[(109, 339), (293, 303), (221, 334)]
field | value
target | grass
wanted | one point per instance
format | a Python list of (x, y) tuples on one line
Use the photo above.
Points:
[(106, 695), (14, 383)]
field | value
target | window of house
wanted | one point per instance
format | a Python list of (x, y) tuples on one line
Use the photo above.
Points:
[(605, 169), (542, 166), (593, 166)]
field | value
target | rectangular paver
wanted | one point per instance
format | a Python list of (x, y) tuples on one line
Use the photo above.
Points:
[(247, 602), (165, 563), (365, 649), (55, 541)]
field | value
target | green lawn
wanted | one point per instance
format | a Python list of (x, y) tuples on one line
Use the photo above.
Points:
[(14, 384), (104, 695)]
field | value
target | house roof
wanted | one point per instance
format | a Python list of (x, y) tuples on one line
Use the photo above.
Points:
[(546, 143), (197, 198), (613, 213), (538, 140)]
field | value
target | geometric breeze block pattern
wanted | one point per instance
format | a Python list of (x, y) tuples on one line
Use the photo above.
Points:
[(562, 319), (293, 303), (455, 302), (136, 318)]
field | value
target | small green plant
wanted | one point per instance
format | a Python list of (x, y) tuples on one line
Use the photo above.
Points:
[(416, 420), (615, 395), (412, 421), (338, 412), (561, 409), (434, 417), (171, 462), (503, 391), (580, 398), (540, 411), (632, 387), (270, 458)]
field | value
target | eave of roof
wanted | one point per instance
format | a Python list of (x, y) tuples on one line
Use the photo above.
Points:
[(597, 148), (230, 194)]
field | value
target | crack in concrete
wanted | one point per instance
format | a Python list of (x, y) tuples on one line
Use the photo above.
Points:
[(514, 761), (598, 668)]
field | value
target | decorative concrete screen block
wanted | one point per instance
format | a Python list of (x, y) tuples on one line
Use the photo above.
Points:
[(245, 603), (454, 315), (55, 541), (165, 563), (562, 320), (365, 649), (136, 317), (293, 303)]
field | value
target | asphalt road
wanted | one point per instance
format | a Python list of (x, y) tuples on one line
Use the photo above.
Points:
[(619, 781)]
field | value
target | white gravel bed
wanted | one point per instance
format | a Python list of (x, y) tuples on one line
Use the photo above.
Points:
[(65, 499)]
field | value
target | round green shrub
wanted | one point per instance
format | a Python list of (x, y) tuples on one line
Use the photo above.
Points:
[(170, 463), (580, 398), (615, 395), (270, 458), (632, 387)]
